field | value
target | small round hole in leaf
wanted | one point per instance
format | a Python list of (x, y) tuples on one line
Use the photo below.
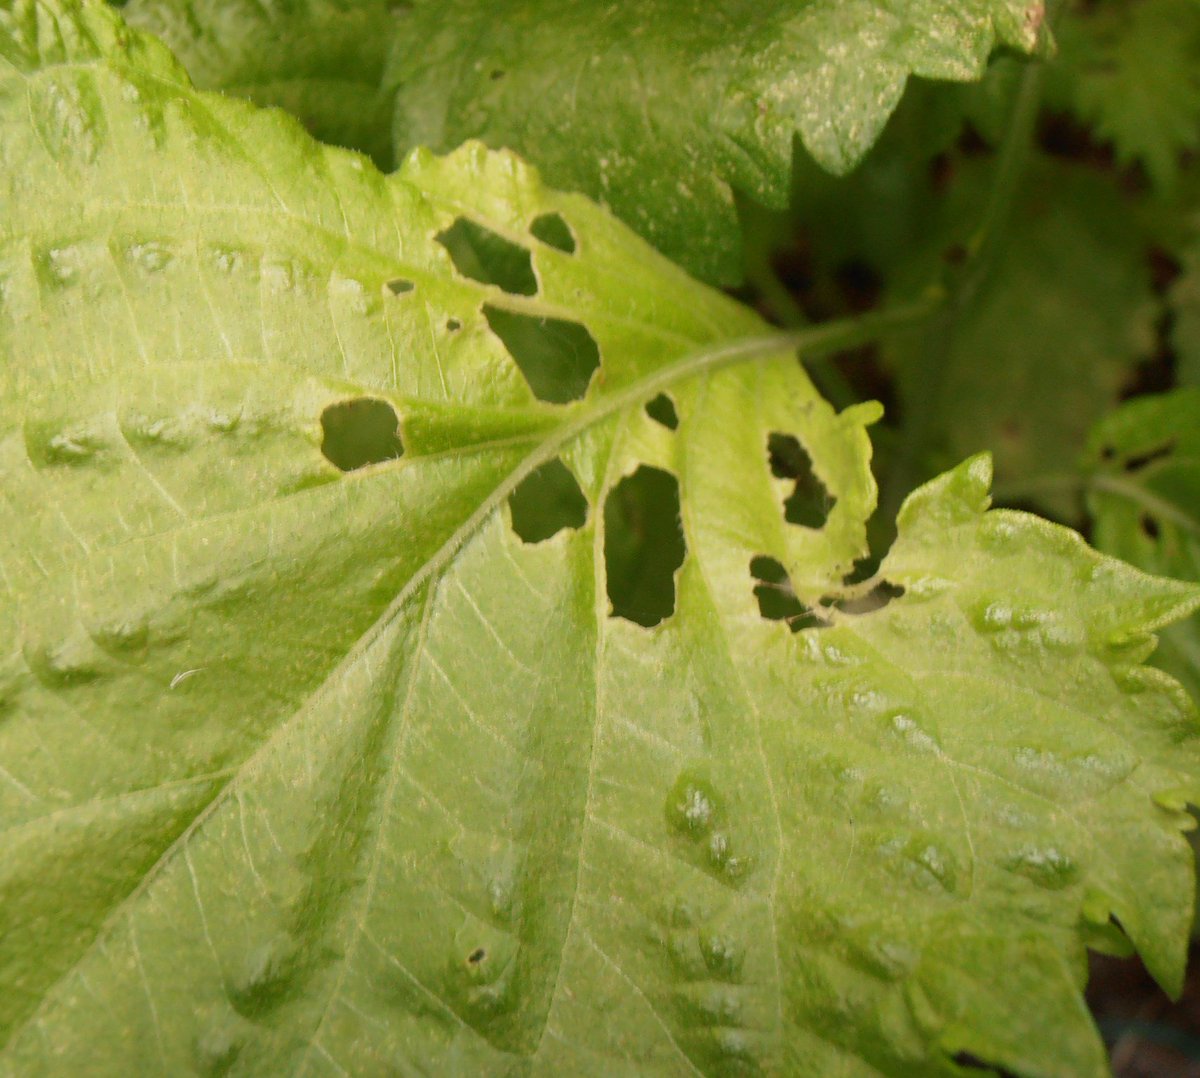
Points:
[(643, 545), (547, 500), (553, 231), (360, 432), (484, 256), (662, 410), (810, 503), (776, 600), (557, 357)]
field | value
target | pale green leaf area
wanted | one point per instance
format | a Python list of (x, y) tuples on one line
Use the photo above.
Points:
[(307, 770), (1044, 349), (1131, 70), (591, 92), (322, 60), (1144, 496)]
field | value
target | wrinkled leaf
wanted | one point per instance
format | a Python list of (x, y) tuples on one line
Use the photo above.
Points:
[(311, 764), (1145, 502)]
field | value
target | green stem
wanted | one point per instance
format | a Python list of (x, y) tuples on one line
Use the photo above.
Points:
[(983, 249), (787, 312), (779, 301)]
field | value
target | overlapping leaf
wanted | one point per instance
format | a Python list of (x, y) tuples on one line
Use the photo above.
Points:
[(592, 92), (319, 770), (322, 60)]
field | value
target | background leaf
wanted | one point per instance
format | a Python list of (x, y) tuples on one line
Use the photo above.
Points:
[(322, 60), (1131, 71), (1145, 502)]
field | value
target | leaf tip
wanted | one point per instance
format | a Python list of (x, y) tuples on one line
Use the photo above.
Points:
[(954, 497)]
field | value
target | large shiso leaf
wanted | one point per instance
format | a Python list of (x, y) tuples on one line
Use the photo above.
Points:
[(310, 764)]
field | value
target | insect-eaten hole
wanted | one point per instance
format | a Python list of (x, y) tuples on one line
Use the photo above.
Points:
[(1149, 526), (662, 410), (399, 286), (970, 1061), (360, 432), (476, 956), (1141, 460), (558, 358), (482, 255), (547, 500), (776, 600), (553, 231), (643, 545), (810, 503), (876, 598)]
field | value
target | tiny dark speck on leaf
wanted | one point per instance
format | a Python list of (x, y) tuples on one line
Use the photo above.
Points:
[(477, 956)]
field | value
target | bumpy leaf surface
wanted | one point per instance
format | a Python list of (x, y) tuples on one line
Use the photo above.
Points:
[(322, 60), (311, 770), (662, 109), (1145, 501)]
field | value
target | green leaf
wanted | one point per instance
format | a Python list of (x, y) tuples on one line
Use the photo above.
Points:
[(661, 110), (1131, 70), (1063, 317), (322, 60), (310, 763), (592, 94), (1185, 304), (1144, 497)]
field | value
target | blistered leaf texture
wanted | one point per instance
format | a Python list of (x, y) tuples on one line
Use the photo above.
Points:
[(662, 109), (309, 763), (1145, 503), (322, 60)]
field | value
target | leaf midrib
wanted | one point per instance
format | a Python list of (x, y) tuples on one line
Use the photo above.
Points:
[(814, 340)]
